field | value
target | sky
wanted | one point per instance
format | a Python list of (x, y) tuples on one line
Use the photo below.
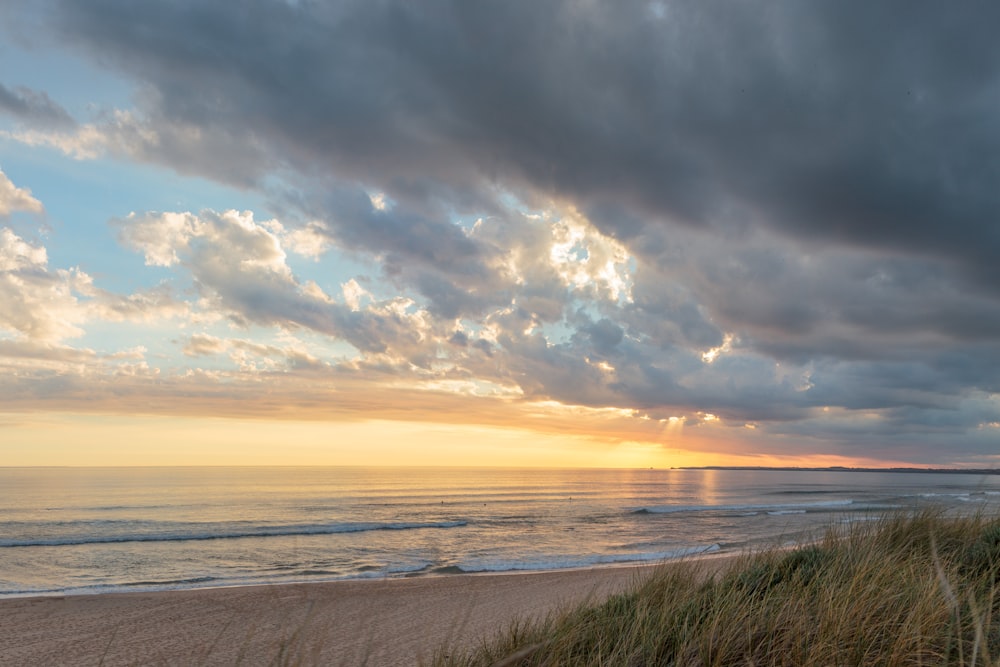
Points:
[(561, 233)]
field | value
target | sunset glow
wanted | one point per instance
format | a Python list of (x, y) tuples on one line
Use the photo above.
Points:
[(363, 234)]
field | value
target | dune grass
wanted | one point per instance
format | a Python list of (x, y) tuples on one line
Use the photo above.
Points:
[(917, 589)]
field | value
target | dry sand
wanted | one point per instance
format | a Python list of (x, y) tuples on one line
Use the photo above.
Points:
[(377, 622)]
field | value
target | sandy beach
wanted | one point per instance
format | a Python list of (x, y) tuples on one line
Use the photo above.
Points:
[(376, 622)]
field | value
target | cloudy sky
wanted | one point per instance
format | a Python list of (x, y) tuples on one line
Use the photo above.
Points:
[(539, 233)]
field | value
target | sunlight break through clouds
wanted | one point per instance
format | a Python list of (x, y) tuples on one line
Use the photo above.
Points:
[(643, 216)]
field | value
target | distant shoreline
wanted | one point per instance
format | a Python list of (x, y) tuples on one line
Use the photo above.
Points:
[(948, 471)]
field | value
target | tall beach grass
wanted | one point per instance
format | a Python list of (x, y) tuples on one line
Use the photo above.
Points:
[(917, 589)]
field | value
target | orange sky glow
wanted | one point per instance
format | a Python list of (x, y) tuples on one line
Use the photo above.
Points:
[(41, 439)]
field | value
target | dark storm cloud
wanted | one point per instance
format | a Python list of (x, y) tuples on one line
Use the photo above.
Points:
[(872, 126)]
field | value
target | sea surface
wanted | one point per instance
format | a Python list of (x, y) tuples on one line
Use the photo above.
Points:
[(93, 530)]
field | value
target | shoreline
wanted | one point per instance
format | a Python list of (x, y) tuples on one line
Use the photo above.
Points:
[(388, 621), (127, 589)]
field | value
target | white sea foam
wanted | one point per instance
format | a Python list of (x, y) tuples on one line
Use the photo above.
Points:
[(674, 509), (565, 562), (203, 535), (394, 569)]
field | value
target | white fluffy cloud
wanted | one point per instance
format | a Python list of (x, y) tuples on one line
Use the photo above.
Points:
[(236, 263), (35, 302), (42, 305), (239, 268), (231, 238), (13, 198), (51, 305)]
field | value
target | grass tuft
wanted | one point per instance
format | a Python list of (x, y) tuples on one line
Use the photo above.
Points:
[(908, 590)]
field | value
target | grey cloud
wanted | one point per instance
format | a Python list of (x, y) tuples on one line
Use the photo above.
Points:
[(604, 335), (667, 312), (552, 371), (924, 382), (824, 122), (447, 299), (799, 303), (34, 108), (738, 389), (417, 246), (226, 153), (960, 434), (433, 242), (461, 273)]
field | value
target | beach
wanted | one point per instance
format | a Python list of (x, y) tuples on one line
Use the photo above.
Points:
[(226, 566), (375, 622)]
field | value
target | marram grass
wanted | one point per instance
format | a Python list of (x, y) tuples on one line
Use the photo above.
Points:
[(904, 590)]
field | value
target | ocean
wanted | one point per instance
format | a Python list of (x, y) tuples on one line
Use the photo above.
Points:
[(93, 530)]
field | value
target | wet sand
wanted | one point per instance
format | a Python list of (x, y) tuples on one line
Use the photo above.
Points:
[(369, 622)]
